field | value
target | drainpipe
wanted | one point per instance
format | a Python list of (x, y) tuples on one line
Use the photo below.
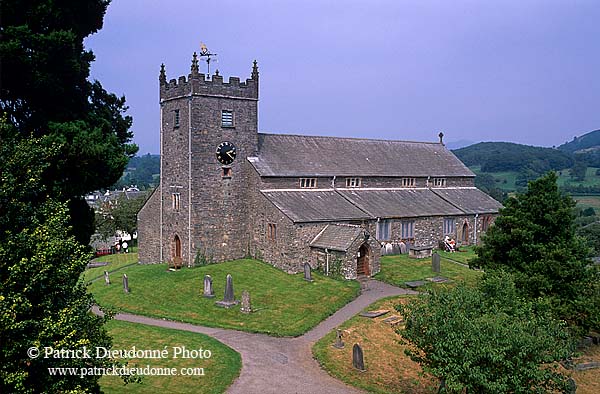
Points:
[(333, 182), (475, 233)]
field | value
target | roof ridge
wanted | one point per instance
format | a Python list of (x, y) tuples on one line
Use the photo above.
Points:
[(351, 138)]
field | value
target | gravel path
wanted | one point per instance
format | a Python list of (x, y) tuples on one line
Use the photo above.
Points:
[(283, 365)]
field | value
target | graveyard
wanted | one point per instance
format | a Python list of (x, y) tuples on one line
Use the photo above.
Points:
[(282, 304), (389, 370)]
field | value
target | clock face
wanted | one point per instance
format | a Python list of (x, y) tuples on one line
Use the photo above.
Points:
[(226, 152)]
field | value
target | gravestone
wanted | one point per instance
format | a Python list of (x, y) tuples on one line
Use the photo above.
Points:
[(388, 249), (208, 287), (383, 251), (307, 273), (358, 361), (228, 298), (339, 344), (395, 249), (403, 248), (246, 308), (106, 278), (435, 263), (125, 283)]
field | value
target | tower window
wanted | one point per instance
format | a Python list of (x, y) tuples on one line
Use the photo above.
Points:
[(308, 183), (353, 182), (226, 172), (176, 199), (226, 118), (176, 119)]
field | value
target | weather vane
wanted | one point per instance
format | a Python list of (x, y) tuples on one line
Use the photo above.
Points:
[(204, 52)]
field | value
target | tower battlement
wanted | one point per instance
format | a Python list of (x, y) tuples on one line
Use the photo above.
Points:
[(197, 83)]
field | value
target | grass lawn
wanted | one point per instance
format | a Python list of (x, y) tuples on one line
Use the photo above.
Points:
[(115, 261), (286, 305), (398, 269), (220, 369), (389, 370)]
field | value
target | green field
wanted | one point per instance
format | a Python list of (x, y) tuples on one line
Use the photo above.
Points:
[(286, 305), (115, 262), (220, 370)]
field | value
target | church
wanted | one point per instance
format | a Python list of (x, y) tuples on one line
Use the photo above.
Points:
[(227, 191)]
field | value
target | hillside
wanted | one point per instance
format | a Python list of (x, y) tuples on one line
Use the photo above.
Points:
[(142, 171), (585, 143), (508, 156)]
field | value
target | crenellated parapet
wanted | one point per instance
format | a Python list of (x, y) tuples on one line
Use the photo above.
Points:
[(198, 83)]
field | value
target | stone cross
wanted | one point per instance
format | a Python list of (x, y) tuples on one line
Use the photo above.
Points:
[(358, 361), (339, 344), (435, 263), (246, 308), (125, 283), (307, 273), (106, 278), (208, 287), (228, 299)]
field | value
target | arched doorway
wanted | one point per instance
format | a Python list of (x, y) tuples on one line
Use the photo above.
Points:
[(465, 233), (362, 261), (176, 251)]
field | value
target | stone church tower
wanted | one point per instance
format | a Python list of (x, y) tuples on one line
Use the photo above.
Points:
[(199, 210)]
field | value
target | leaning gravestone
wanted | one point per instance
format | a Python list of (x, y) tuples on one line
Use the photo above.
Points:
[(339, 344), (228, 299), (208, 287), (358, 361), (245, 308), (307, 273), (106, 278), (435, 263), (125, 283)]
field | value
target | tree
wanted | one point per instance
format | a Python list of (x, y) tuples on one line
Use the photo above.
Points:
[(42, 300), (120, 216), (486, 339), (45, 92), (578, 170), (534, 238)]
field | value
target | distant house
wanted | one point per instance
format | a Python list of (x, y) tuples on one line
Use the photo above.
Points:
[(227, 191)]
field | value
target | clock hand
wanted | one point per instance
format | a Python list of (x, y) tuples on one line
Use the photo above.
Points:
[(230, 154)]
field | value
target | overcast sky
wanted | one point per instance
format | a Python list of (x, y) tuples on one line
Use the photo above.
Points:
[(487, 70)]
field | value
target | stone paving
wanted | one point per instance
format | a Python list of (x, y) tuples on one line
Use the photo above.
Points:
[(283, 365)]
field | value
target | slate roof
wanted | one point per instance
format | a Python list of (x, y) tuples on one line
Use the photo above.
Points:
[(295, 155), (336, 237), (314, 205), (469, 200), (400, 203), (328, 205)]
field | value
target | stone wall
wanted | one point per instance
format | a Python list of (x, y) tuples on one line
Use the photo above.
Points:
[(148, 220)]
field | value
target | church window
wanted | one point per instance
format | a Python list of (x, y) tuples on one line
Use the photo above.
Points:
[(176, 119), (439, 182), (408, 182), (226, 118), (449, 226), (353, 182), (308, 183), (486, 222), (384, 230), (272, 231), (176, 199), (408, 229)]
